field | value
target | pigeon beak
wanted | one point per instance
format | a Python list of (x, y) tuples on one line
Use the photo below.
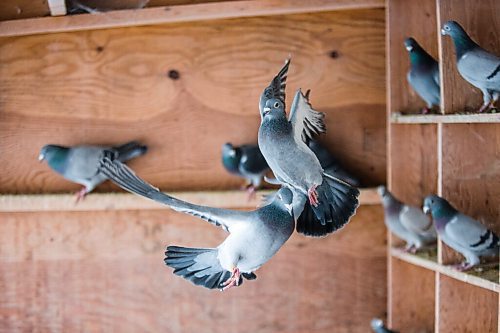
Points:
[(266, 110), (41, 157), (443, 32), (426, 209), (409, 48)]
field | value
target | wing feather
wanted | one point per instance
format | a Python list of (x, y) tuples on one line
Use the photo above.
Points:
[(306, 122)]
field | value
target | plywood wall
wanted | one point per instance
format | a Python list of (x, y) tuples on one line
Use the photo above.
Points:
[(110, 86), (104, 271)]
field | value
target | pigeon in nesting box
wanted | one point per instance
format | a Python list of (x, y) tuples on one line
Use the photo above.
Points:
[(282, 141), (80, 164), (407, 222), (461, 233), (379, 327), (254, 236), (247, 162), (423, 75), (476, 65)]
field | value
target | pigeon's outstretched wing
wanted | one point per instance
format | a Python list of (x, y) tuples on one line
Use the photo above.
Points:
[(276, 88), (306, 122), (124, 177)]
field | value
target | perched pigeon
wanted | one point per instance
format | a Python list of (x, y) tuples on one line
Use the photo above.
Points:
[(476, 65), (379, 327), (461, 233), (282, 141), (254, 236), (407, 222), (423, 75), (245, 161), (80, 164)]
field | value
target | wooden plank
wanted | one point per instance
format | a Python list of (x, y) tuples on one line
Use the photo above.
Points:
[(414, 162), (111, 86), (466, 308), (412, 297), (483, 25), (406, 19), (471, 174), (126, 201), (397, 118), (104, 271), (21, 9), (57, 7), (444, 270), (176, 14)]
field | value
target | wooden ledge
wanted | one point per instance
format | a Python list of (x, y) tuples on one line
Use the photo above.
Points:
[(126, 201), (176, 14), (397, 118), (445, 270)]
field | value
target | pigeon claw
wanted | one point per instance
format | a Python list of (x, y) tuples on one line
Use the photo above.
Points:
[(80, 195), (251, 192), (233, 280), (313, 196)]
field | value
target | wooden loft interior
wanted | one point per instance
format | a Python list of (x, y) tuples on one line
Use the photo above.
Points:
[(104, 78)]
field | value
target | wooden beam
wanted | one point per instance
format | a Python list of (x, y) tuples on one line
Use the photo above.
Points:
[(126, 201), (398, 118), (176, 14), (445, 270), (57, 7)]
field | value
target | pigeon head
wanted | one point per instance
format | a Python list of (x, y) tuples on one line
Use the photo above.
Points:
[(411, 44), (382, 191), (462, 41), (452, 28), (231, 157), (273, 107), (376, 323), (56, 156), (438, 207), (285, 197)]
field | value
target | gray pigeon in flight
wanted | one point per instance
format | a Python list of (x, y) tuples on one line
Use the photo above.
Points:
[(254, 236), (282, 141), (247, 162), (379, 327), (462, 233), (423, 75), (407, 222), (476, 65), (80, 164)]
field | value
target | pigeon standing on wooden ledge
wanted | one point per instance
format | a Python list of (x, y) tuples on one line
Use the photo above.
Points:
[(254, 236), (282, 141), (407, 222), (423, 75), (247, 162), (476, 65), (80, 164), (461, 233), (379, 327)]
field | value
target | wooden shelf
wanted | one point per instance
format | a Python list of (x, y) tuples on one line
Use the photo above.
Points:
[(176, 14), (398, 118), (126, 201), (450, 272)]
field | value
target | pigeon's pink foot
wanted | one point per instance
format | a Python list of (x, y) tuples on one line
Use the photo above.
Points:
[(462, 267), (80, 195), (484, 107), (233, 280), (411, 249), (251, 192), (313, 195), (426, 110)]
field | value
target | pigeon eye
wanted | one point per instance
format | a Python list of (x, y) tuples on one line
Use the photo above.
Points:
[(276, 105)]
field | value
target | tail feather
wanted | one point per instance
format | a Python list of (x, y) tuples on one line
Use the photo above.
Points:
[(200, 266), (338, 203), (130, 150)]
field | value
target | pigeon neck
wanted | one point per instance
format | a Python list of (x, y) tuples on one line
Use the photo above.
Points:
[(421, 58), (58, 159), (463, 43), (391, 204), (442, 214)]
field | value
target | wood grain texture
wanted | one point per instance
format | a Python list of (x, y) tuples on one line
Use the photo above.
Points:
[(398, 118), (471, 173), (104, 271), (483, 26), (415, 19), (20, 9), (176, 14), (465, 308), (111, 86), (413, 162), (412, 297)]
